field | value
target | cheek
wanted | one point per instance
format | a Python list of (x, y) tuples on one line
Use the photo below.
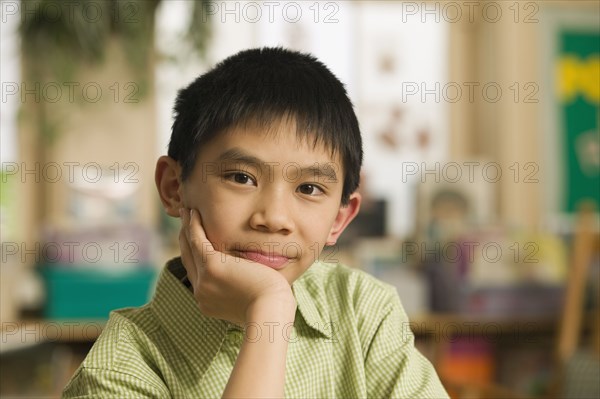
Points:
[(214, 216), (316, 231), (320, 222), (223, 221)]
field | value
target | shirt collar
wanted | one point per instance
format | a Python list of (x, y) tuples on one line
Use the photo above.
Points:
[(174, 306), (311, 301)]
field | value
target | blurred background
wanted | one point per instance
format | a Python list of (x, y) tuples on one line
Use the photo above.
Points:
[(481, 176)]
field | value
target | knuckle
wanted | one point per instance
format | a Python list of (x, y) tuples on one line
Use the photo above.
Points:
[(212, 271), (209, 268), (196, 241)]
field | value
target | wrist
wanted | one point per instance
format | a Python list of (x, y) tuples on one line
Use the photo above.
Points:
[(272, 309)]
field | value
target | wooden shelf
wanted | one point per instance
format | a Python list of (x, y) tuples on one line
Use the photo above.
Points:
[(456, 324)]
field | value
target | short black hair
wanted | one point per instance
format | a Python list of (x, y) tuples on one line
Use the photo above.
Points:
[(264, 85)]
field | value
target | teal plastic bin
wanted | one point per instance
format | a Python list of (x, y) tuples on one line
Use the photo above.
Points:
[(91, 293)]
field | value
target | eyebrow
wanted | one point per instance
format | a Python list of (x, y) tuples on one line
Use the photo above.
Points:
[(238, 155)]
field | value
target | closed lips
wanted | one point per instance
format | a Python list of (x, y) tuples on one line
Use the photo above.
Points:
[(268, 259)]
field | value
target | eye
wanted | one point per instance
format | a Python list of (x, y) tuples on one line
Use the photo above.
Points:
[(238, 177), (310, 189)]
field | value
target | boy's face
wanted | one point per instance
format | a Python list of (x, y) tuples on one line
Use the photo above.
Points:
[(256, 203)]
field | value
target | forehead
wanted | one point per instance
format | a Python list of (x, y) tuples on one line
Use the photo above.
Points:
[(278, 140)]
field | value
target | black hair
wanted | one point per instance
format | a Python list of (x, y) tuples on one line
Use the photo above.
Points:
[(265, 85)]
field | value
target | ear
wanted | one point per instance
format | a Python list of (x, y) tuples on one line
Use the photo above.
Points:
[(345, 215), (167, 178)]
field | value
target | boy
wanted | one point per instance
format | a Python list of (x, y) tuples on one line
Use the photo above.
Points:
[(262, 168)]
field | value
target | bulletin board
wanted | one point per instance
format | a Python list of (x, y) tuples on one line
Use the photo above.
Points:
[(578, 89), (570, 117)]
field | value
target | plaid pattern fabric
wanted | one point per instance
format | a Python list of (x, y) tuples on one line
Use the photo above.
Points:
[(350, 339)]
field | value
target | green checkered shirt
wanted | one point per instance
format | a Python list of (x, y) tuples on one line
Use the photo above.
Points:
[(350, 339)]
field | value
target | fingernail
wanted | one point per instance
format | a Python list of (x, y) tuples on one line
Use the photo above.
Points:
[(191, 216)]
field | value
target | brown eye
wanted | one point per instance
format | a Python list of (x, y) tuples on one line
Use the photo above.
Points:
[(241, 178), (238, 177), (310, 189)]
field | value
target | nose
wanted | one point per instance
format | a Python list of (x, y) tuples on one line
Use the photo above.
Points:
[(272, 214)]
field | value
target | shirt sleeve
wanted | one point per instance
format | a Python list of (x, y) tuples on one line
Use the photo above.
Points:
[(100, 383), (117, 366), (394, 367)]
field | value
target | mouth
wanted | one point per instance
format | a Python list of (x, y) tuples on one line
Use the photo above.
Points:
[(271, 260)]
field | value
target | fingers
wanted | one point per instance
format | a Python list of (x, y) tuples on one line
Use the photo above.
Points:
[(186, 252), (199, 244), (197, 247)]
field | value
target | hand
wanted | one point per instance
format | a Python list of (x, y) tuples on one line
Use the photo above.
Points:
[(228, 287)]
